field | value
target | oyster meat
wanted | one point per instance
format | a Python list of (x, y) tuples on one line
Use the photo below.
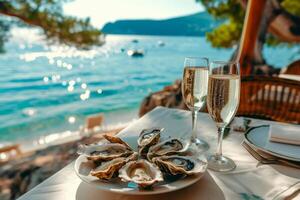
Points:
[(147, 138), (104, 152), (167, 147), (117, 140), (109, 169), (141, 172), (180, 165)]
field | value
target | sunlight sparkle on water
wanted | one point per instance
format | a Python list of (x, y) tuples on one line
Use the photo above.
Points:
[(85, 95), (46, 79), (99, 91), (59, 63), (70, 88), (72, 82), (83, 85), (71, 119), (51, 61), (22, 46), (55, 78), (69, 66), (29, 111), (65, 64)]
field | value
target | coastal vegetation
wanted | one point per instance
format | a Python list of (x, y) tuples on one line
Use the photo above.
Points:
[(251, 24), (232, 13), (48, 15), (190, 25)]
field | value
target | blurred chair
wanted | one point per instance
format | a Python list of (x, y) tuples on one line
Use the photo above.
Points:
[(270, 98), (293, 68), (92, 123)]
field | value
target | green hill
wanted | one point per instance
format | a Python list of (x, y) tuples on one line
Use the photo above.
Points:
[(191, 25)]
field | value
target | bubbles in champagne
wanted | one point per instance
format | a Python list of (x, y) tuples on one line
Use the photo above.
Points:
[(194, 86), (223, 97)]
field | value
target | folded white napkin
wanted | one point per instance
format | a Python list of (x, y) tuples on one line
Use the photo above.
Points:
[(289, 134)]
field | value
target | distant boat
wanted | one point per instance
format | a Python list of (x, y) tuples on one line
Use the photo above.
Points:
[(134, 41), (161, 43), (135, 53)]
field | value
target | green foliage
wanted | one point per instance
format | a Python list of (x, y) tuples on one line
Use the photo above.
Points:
[(4, 28), (228, 34), (292, 6), (48, 14)]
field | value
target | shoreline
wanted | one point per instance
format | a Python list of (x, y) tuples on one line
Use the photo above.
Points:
[(18, 176), (112, 121)]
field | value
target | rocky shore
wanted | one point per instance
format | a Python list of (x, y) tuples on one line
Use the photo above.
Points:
[(20, 175), (170, 96)]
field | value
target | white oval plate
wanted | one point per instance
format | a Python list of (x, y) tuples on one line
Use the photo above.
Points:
[(259, 138), (83, 168)]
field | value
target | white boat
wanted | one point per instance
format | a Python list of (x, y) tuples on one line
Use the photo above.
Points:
[(160, 43), (135, 53)]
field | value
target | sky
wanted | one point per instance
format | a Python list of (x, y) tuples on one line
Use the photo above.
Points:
[(103, 11)]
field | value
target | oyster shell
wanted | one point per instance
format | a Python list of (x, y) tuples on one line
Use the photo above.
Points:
[(109, 169), (141, 172), (115, 139), (104, 152), (147, 138), (167, 147), (180, 165)]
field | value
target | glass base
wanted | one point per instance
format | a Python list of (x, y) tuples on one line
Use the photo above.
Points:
[(199, 145), (220, 163)]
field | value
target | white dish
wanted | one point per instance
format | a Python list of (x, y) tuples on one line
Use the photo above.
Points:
[(83, 169), (259, 138)]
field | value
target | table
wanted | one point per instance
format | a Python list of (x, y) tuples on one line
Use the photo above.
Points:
[(247, 181)]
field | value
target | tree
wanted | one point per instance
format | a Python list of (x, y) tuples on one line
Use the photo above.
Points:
[(233, 11), (48, 15), (274, 22)]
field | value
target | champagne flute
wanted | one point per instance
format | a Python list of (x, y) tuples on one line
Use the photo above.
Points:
[(222, 102), (194, 92)]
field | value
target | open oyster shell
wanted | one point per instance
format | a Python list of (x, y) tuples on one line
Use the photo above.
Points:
[(141, 172), (109, 169), (179, 165), (167, 147), (104, 152), (148, 138), (115, 139)]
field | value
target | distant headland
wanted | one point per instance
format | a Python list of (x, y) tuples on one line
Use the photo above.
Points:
[(191, 25)]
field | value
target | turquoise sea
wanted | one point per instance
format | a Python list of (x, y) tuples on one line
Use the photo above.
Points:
[(48, 89)]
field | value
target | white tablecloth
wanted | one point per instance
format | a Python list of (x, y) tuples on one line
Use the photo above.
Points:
[(248, 181)]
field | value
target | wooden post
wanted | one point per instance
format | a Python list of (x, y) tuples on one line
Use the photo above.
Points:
[(248, 43)]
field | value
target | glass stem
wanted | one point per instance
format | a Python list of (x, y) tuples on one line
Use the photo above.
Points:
[(194, 124), (220, 138)]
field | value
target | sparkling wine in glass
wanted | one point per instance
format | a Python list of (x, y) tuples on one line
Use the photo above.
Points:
[(222, 103), (194, 92)]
